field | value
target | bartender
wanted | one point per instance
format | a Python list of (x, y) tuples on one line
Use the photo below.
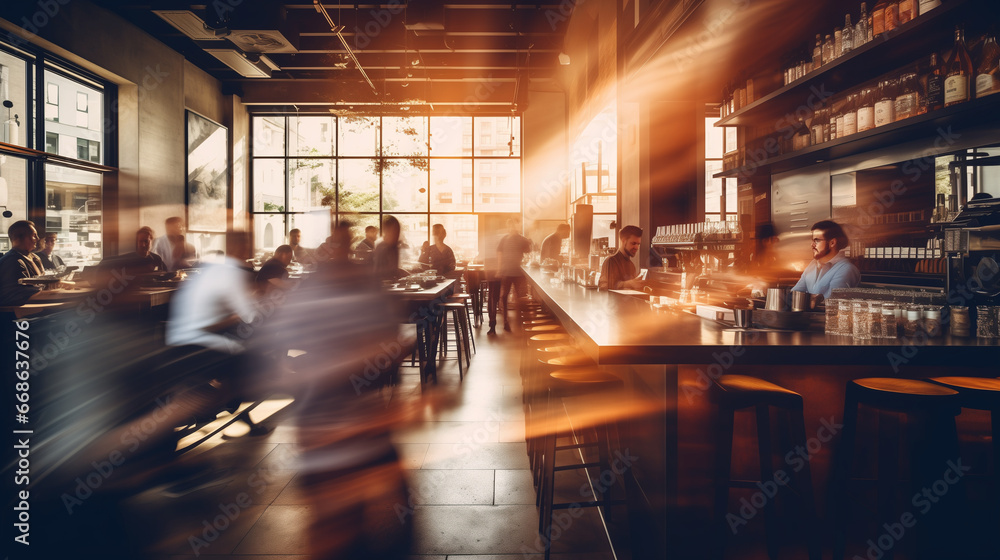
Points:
[(618, 271), (829, 269)]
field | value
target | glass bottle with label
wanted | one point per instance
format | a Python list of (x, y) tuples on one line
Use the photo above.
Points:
[(847, 35), (861, 29), (838, 42), (885, 107), (988, 70), (933, 85), (906, 10), (866, 110), (850, 116), (891, 15), (878, 18), (837, 120), (906, 97), (818, 52), (958, 72), (828, 49)]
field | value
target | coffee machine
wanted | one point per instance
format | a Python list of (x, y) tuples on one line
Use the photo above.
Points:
[(972, 246)]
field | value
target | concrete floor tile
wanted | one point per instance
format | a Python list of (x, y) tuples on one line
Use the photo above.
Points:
[(514, 487), (451, 487), (474, 529), (476, 456), (280, 530)]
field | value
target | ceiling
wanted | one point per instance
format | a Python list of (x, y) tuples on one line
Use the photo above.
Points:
[(428, 56)]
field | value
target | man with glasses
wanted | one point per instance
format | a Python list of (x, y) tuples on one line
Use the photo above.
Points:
[(829, 269)]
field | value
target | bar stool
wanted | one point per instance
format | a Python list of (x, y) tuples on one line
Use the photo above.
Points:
[(464, 299), (570, 383), (461, 328), (736, 392), (933, 406)]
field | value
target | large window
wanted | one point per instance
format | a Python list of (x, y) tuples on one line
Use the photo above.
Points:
[(423, 170), (719, 193)]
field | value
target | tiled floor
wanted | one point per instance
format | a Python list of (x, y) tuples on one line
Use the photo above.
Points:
[(468, 476)]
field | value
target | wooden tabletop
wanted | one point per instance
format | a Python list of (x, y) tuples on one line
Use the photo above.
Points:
[(425, 294)]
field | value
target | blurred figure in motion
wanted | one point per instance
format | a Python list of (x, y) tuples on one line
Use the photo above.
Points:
[(50, 260), (386, 255), (552, 245), (352, 476), (510, 253), (363, 250), (175, 251)]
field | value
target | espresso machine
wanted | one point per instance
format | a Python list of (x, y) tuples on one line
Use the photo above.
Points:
[(972, 246)]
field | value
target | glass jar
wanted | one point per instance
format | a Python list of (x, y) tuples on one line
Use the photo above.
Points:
[(986, 322), (861, 320), (959, 321), (875, 309), (912, 319), (832, 320), (931, 321), (889, 324), (844, 312)]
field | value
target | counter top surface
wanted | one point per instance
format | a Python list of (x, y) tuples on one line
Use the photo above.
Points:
[(619, 329)]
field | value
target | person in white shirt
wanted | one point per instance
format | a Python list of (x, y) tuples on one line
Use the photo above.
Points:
[(829, 269), (172, 247)]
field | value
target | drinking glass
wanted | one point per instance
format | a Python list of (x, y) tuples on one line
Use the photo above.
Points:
[(959, 324), (889, 328), (986, 322), (832, 320), (911, 320), (875, 310), (861, 320), (845, 310)]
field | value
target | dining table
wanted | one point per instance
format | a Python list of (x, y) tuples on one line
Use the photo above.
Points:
[(419, 305)]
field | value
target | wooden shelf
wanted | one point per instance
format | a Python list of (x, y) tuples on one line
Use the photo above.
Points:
[(908, 43), (975, 113)]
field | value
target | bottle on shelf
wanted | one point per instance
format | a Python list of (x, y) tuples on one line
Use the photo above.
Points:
[(828, 49), (847, 35), (866, 109), (837, 120), (891, 16), (878, 18), (907, 10), (988, 70), (907, 98), (958, 72), (750, 91), (850, 111), (885, 106), (933, 85), (817, 58), (927, 5), (861, 28), (838, 42)]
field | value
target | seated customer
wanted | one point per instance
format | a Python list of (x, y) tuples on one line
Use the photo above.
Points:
[(299, 253), (142, 260), (274, 272), (829, 269), (19, 263), (366, 247), (385, 257), (439, 256), (50, 261), (618, 272)]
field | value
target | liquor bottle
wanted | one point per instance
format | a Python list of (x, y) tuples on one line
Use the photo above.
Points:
[(838, 42), (847, 35), (878, 18), (818, 52), (866, 110), (861, 29), (906, 10), (934, 85), (750, 93), (837, 122), (828, 50), (850, 116), (988, 71), (891, 16), (906, 96), (885, 107), (928, 5), (957, 72)]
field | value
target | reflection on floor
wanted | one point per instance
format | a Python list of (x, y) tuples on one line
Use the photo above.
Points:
[(471, 494)]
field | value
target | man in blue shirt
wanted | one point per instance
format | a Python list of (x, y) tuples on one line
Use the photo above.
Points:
[(829, 269)]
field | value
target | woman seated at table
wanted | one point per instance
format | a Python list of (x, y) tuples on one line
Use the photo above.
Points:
[(438, 256)]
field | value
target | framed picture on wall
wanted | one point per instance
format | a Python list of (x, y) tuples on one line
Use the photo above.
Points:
[(207, 174)]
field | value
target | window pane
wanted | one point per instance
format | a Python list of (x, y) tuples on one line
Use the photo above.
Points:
[(451, 136), (268, 185), (493, 136), (315, 227), (358, 186), (731, 196), (713, 187), (81, 101), (358, 136), (602, 228), (311, 180), (77, 125), (413, 232), (311, 136), (404, 185), (73, 209), (268, 136), (12, 77), (451, 185), (713, 139), (462, 234), (13, 174), (404, 136), (731, 137), (498, 185), (268, 233)]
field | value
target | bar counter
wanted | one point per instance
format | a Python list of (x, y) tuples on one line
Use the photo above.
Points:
[(669, 358)]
